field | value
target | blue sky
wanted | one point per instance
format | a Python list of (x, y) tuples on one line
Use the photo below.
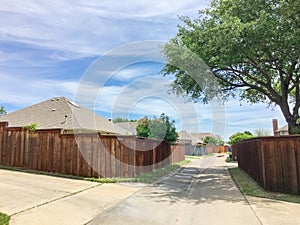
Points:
[(47, 48)]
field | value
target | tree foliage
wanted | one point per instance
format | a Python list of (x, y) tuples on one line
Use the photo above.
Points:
[(32, 126), (240, 136), (160, 128), (2, 111), (252, 49), (213, 141), (142, 127), (260, 132), (120, 119)]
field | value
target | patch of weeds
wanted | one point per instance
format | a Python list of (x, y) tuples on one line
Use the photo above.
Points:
[(249, 187), (229, 159), (4, 219), (111, 180)]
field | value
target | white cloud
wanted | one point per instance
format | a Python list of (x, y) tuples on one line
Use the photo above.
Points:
[(90, 27), (22, 92), (63, 30)]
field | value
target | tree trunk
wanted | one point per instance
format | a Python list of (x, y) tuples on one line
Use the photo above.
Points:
[(294, 128)]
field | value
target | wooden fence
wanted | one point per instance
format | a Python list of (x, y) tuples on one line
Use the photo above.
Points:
[(87, 155), (273, 162)]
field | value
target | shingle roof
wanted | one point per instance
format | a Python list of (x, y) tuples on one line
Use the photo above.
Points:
[(129, 126), (61, 113), (284, 128), (194, 137)]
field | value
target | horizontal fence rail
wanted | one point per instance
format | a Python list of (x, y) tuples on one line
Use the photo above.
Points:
[(273, 162), (87, 155)]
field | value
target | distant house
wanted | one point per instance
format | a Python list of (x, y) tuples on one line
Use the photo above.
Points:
[(128, 126), (283, 130), (184, 137), (193, 138), (62, 113), (279, 131)]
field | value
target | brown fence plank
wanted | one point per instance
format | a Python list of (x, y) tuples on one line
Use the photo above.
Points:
[(292, 167), (274, 162), (83, 154), (297, 156)]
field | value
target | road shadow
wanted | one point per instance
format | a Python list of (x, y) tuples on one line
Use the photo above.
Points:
[(196, 185)]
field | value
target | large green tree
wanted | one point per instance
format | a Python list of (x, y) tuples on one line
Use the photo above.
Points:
[(252, 49), (160, 128)]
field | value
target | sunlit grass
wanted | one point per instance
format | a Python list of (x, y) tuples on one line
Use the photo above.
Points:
[(249, 187), (144, 177)]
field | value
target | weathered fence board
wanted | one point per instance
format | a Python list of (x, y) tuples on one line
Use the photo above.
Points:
[(88, 155), (274, 162)]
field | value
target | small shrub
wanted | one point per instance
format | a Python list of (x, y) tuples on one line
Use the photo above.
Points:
[(4, 219), (229, 159), (31, 126)]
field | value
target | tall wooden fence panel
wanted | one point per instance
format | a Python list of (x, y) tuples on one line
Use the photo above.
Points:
[(88, 155), (273, 162)]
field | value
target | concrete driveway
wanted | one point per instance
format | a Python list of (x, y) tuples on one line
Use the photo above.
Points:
[(200, 193), (37, 199)]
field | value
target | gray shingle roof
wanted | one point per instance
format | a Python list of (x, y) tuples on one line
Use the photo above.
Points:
[(129, 126), (194, 137), (61, 113), (284, 128)]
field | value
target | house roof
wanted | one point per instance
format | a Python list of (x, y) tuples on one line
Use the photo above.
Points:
[(194, 137), (129, 126), (283, 129), (61, 112), (183, 135)]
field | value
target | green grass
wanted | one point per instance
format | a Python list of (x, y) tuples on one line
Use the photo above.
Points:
[(144, 177), (110, 180), (193, 157), (4, 219), (228, 159), (249, 187), (209, 155), (153, 176)]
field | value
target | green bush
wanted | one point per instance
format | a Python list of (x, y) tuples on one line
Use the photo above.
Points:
[(240, 136), (4, 219), (31, 126)]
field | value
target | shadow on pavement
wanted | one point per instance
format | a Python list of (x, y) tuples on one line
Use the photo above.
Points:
[(196, 186)]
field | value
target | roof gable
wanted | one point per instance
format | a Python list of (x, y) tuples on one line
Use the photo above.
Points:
[(61, 113)]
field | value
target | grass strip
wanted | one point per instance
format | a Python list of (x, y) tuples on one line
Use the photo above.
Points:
[(229, 160), (143, 177), (249, 187), (4, 219), (154, 175), (193, 157)]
